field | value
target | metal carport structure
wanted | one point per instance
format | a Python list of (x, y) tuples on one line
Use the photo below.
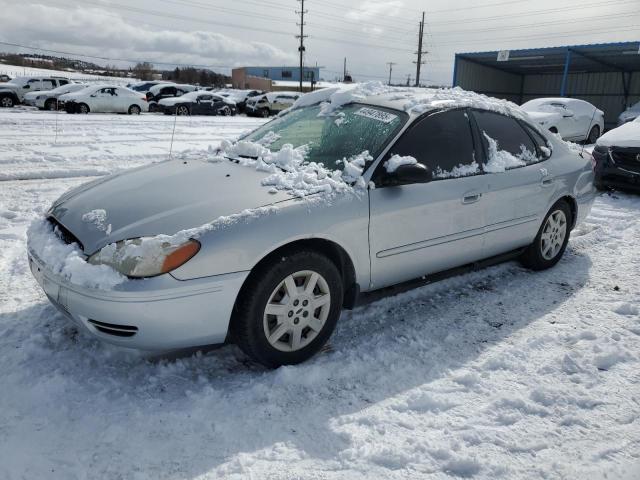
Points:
[(606, 75)]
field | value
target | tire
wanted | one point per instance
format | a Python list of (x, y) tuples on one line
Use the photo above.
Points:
[(265, 113), (552, 238), (594, 134), (226, 111), (182, 110), (134, 110), (50, 105), (6, 101), (83, 108), (301, 330), (153, 107)]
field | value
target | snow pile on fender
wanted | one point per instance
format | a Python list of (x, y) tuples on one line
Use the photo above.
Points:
[(67, 260)]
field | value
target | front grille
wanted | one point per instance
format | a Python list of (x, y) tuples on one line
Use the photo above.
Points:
[(113, 329), (65, 235), (627, 158)]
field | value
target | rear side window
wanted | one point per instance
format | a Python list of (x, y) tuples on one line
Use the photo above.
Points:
[(540, 141), (507, 144), (443, 143)]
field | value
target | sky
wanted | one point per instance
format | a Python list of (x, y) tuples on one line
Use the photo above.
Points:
[(222, 34)]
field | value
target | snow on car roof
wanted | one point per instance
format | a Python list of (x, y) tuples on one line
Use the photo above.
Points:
[(410, 99), (158, 87)]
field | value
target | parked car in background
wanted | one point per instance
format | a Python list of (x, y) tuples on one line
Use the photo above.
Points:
[(202, 251), (145, 86), (630, 114), (240, 97), (270, 103), (13, 92), (571, 118), (617, 157), (48, 99), (105, 99), (198, 103), (166, 90)]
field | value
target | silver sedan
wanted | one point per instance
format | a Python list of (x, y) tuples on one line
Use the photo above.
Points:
[(258, 248)]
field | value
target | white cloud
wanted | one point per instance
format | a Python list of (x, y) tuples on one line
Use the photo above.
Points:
[(97, 32), (374, 9)]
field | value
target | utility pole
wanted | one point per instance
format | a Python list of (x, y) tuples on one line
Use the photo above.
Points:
[(344, 75), (408, 79), (391, 64), (302, 36), (420, 62)]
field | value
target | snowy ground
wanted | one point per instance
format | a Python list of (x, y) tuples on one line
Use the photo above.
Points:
[(502, 373)]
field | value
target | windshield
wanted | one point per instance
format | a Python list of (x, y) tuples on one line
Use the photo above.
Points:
[(331, 138)]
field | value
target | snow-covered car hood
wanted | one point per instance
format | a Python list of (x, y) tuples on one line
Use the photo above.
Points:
[(626, 136), (9, 86), (543, 117), (34, 95), (630, 114), (163, 198)]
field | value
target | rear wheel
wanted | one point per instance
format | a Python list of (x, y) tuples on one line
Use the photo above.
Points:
[(83, 108), (550, 243), (134, 110), (594, 134), (288, 308), (182, 110), (6, 102)]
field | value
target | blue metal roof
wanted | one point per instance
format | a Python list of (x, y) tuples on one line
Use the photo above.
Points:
[(597, 57)]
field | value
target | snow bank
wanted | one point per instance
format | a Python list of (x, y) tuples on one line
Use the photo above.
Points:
[(626, 136)]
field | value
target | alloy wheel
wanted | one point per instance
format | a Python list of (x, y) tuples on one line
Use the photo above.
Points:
[(183, 111), (297, 311), (6, 102), (553, 235)]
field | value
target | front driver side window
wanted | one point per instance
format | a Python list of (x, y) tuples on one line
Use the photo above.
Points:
[(442, 142)]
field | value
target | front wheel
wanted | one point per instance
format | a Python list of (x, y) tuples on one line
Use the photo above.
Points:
[(226, 111), (550, 243), (182, 110), (288, 308), (594, 134), (6, 102), (264, 112), (134, 110), (51, 105), (83, 108)]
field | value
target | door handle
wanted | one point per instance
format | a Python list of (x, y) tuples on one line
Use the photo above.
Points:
[(547, 181), (473, 198)]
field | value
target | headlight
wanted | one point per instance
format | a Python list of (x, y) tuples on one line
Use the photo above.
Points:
[(146, 256)]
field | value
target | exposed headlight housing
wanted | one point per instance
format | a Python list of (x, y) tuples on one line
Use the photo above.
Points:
[(146, 256)]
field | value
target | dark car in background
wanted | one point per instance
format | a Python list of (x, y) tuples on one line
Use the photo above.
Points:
[(166, 90), (198, 103), (617, 157)]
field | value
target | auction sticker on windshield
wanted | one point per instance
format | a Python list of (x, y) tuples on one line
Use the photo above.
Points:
[(381, 116)]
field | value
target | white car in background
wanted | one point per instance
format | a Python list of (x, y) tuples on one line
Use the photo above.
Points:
[(571, 118), (630, 114), (13, 92), (271, 103), (105, 99), (48, 99)]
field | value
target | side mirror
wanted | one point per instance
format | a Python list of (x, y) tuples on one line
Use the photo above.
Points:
[(93, 95), (409, 174)]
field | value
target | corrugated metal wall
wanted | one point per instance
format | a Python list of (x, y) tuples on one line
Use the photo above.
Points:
[(604, 90), (482, 79)]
